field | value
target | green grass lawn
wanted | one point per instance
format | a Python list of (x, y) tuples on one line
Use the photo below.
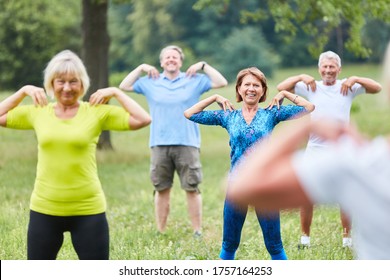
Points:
[(124, 173)]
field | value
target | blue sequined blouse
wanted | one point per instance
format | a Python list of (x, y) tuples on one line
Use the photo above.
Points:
[(243, 135)]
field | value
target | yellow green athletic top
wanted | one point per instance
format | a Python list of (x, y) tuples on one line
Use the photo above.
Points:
[(67, 182)]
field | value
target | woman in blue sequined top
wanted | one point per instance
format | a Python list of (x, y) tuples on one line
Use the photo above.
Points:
[(246, 127)]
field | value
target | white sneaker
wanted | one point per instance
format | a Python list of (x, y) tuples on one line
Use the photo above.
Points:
[(197, 234), (347, 242), (305, 242)]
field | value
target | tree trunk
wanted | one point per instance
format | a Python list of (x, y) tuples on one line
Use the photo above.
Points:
[(340, 41), (96, 43)]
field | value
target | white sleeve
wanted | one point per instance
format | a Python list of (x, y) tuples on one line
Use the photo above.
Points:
[(345, 173), (358, 89), (322, 178), (301, 89)]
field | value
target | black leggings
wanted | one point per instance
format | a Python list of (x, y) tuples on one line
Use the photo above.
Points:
[(90, 236)]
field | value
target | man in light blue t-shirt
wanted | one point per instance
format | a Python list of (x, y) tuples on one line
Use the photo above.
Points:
[(174, 140)]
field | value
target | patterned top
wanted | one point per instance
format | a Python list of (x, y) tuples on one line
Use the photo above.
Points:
[(243, 135)]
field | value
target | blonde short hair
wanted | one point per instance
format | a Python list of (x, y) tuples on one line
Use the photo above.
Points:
[(65, 62), (172, 47)]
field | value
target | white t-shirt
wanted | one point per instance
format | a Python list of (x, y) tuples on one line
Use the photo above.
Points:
[(357, 177), (329, 103)]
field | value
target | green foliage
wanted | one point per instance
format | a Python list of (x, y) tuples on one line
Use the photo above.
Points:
[(376, 34), (244, 48), (121, 52), (199, 33), (217, 5), (152, 27), (31, 32), (139, 32), (295, 53), (317, 19), (304, 29)]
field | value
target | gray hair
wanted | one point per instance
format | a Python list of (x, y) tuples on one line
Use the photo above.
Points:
[(65, 62), (172, 47), (329, 55)]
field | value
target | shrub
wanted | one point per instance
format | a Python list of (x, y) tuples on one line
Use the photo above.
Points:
[(244, 48)]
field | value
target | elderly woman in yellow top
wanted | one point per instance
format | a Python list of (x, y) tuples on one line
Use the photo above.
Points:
[(67, 194)]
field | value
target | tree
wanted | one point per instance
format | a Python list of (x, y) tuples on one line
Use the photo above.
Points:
[(96, 43), (317, 18), (377, 34), (243, 48), (149, 25), (31, 33), (121, 53), (141, 29), (152, 27)]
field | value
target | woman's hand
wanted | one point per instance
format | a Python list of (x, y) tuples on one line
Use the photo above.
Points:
[(277, 100), (201, 105), (224, 103), (37, 94), (102, 96)]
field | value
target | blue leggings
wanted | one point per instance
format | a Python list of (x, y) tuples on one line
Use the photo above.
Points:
[(233, 221)]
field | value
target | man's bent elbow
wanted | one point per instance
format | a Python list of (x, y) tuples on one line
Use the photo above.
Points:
[(377, 89), (187, 114), (134, 125), (125, 87), (147, 121), (220, 84)]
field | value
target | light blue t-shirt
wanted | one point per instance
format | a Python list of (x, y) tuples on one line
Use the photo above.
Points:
[(167, 100)]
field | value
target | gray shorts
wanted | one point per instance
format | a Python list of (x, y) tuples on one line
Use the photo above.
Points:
[(184, 159)]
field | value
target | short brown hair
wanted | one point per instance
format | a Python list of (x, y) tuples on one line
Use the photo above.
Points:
[(254, 72)]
